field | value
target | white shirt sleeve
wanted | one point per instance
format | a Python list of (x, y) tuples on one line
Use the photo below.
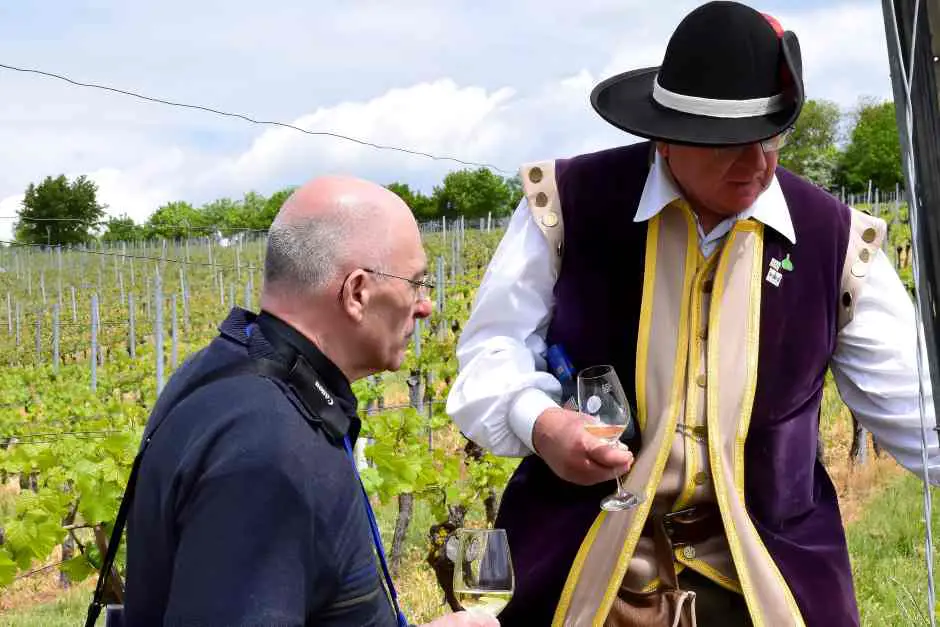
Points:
[(503, 384), (874, 367)]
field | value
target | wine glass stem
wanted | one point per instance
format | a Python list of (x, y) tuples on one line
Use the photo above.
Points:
[(620, 491)]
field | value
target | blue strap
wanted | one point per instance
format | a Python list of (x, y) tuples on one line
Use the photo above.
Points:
[(376, 537)]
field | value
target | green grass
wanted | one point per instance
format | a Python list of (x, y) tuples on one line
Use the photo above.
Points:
[(886, 545), (68, 610), (888, 555)]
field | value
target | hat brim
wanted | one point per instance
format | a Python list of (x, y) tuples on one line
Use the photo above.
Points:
[(626, 102)]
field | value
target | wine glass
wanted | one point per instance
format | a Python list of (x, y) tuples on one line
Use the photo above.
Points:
[(483, 575), (600, 396)]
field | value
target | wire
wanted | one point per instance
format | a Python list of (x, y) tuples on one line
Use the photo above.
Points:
[(42, 570), (47, 219), (126, 256), (208, 228), (252, 120), (55, 438), (907, 79)]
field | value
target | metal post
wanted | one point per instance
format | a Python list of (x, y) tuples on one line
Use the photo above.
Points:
[(58, 250), (174, 334), (55, 338), (184, 289), (158, 328), (39, 338), (132, 332), (94, 342), (440, 284)]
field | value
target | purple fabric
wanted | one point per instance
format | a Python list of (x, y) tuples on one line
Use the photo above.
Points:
[(597, 319), (788, 494)]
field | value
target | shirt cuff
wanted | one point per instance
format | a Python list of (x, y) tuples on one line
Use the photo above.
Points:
[(527, 407)]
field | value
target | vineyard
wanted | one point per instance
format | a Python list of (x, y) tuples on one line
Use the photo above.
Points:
[(90, 336)]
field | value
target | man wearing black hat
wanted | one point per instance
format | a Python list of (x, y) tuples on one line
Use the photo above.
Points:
[(721, 288)]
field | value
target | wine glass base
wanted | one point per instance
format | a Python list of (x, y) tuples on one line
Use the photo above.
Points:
[(617, 503)]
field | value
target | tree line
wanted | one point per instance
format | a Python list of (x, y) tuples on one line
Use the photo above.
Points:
[(845, 151), (60, 211)]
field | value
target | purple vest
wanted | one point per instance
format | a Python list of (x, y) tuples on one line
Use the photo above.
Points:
[(788, 493)]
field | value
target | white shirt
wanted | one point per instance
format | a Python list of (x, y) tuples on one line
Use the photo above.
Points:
[(503, 385)]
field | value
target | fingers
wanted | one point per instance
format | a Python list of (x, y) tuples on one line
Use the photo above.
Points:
[(611, 457), (464, 619), (574, 454)]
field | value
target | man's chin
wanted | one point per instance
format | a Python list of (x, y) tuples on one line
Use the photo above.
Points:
[(395, 362)]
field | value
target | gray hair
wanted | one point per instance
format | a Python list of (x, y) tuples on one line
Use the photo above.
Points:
[(305, 253), (308, 253)]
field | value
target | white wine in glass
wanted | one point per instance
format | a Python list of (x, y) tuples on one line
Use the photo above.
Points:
[(601, 397), (483, 575)]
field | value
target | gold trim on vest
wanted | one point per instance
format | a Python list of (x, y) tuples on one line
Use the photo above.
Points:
[(734, 322), (662, 348)]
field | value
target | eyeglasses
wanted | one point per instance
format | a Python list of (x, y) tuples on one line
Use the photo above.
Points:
[(776, 142), (772, 144), (422, 288)]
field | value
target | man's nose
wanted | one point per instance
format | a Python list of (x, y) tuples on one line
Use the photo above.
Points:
[(754, 156), (424, 308)]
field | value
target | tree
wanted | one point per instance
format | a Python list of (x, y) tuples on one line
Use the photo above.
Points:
[(811, 148), (874, 152), (173, 220), (122, 229), (224, 214), (271, 207), (59, 212), (421, 206), (473, 194)]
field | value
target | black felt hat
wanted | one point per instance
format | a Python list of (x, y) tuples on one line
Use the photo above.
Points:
[(730, 76)]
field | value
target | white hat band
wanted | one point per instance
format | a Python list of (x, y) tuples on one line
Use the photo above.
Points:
[(715, 108)]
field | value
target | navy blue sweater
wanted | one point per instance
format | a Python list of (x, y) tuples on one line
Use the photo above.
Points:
[(246, 513)]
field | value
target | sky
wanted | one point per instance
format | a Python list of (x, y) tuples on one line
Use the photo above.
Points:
[(490, 82)]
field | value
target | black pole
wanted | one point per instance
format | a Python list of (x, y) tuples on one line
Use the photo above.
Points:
[(920, 152)]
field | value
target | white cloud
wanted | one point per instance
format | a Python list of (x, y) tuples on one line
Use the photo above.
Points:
[(492, 82), (439, 118)]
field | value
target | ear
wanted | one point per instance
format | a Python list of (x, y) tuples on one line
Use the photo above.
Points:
[(355, 295), (663, 149)]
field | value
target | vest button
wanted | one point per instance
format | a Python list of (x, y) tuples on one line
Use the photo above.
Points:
[(535, 174), (701, 478), (864, 255), (700, 380), (688, 552), (868, 235), (541, 199), (707, 286)]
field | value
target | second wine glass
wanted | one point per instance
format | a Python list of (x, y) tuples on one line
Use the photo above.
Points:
[(483, 575), (601, 396)]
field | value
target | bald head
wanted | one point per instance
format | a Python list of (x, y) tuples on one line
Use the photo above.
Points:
[(330, 225)]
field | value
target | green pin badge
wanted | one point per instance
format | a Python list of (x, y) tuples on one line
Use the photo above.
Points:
[(786, 264)]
